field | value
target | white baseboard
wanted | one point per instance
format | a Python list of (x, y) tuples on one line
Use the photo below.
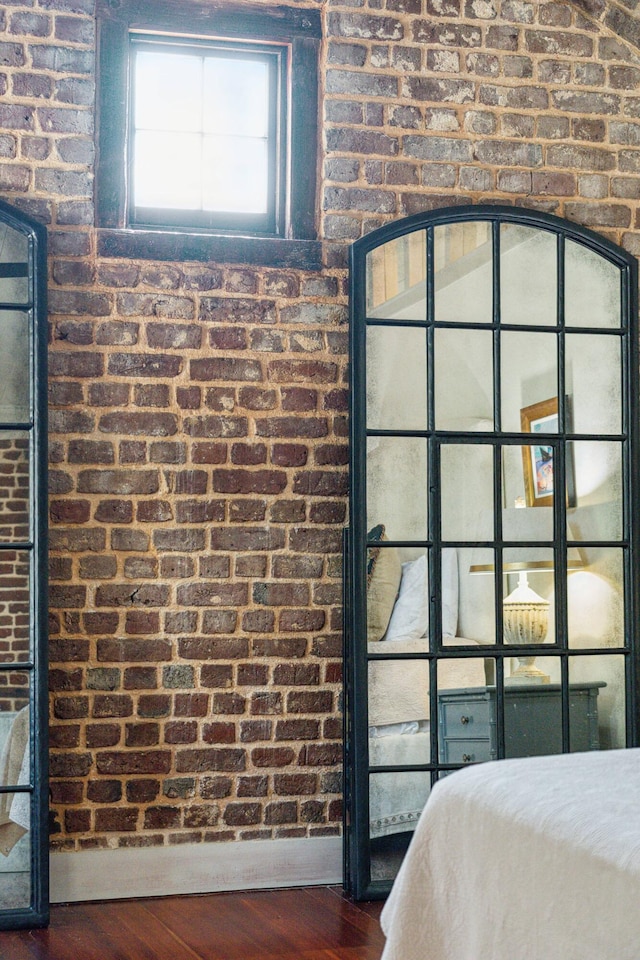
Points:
[(194, 868)]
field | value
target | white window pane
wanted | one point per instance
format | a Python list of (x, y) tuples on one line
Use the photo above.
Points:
[(167, 170), (235, 175), (168, 91), (236, 94)]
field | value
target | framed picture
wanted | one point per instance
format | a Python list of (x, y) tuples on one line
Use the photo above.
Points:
[(537, 459)]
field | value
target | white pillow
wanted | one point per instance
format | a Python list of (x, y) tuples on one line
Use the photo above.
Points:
[(410, 616)]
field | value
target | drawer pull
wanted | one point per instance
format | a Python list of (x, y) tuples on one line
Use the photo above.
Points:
[(464, 720), (467, 758)]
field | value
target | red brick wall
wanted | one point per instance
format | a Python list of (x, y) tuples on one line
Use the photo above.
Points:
[(198, 413)]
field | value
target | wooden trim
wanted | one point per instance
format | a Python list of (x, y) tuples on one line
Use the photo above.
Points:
[(194, 868), (204, 248)]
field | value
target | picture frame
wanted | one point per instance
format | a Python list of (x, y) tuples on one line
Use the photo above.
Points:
[(537, 459)]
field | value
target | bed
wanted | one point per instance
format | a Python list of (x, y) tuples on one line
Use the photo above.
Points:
[(527, 859)]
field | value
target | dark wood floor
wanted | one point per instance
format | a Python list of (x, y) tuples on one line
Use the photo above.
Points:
[(312, 923)]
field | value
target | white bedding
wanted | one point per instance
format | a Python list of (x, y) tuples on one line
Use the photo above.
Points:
[(530, 859)]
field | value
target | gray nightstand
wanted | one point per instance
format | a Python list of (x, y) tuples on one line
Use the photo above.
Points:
[(532, 721)]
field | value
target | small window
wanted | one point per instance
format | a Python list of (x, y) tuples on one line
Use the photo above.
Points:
[(207, 119), (206, 144)]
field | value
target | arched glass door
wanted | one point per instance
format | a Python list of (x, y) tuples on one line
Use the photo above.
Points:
[(23, 573), (491, 561)]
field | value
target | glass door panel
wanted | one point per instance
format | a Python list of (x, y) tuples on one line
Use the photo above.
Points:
[(397, 383), (396, 285), (593, 288), (23, 573), (528, 276), (463, 268)]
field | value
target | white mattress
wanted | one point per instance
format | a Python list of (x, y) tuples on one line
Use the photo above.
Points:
[(530, 859)]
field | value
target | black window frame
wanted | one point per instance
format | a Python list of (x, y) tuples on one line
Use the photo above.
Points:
[(359, 878), (290, 239)]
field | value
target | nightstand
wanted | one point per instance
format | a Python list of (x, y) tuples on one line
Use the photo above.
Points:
[(532, 721)]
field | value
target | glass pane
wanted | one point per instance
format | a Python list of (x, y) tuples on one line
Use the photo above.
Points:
[(168, 91), (533, 707), (14, 609), (14, 263), (598, 720), (396, 801), (598, 488), (397, 597), (235, 174), (537, 466), (397, 279), (529, 371), (167, 170), (398, 700), (15, 369), (519, 522), (529, 603), (14, 487), (466, 713), (396, 378), (476, 606), (397, 486), (594, 383), (463, 263), (236, 97), (528, 276), (595, 598), (466, 486), (464, 379), (15, 807), (592, 288)]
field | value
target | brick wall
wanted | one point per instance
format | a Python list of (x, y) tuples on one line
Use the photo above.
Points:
[(198, 412)]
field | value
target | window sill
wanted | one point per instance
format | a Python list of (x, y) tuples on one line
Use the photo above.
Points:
[(178, 247)]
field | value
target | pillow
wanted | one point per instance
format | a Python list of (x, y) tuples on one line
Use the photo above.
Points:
[(383, 581), (410, 617)]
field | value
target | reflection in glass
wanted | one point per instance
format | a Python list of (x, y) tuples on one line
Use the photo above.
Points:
[(397, 279), (533, 713), (592, 288), (476, 612), (14, 611), (602, 680), (594, 383), (14, 484), (463, 262), (598, 481), (14, 367), (528, 275), (397, 476), (466, 713), (396, 801), (519, 522), (15, 806), (397, 378), (14, 266), (463, 379), (528, 605), (595, 599), (399, 712), (397, 597), (466, 484), (528, 367)]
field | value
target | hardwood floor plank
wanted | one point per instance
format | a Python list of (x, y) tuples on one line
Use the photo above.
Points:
[(294, 924)]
